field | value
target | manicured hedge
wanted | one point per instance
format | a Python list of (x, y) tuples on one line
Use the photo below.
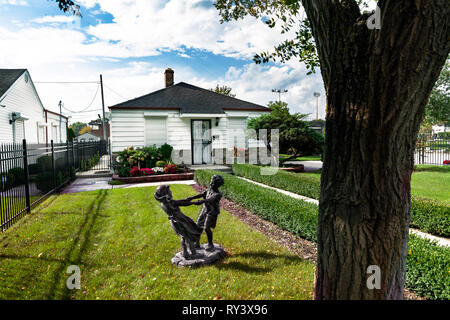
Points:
[(304, 185), (297, 216), (431, 216), (427, 215), (428, 264), (428, 268)]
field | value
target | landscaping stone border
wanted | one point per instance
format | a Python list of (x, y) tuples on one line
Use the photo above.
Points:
[(156, 178)]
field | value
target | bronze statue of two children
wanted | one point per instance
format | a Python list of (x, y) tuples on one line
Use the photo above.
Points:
[(189, 231)]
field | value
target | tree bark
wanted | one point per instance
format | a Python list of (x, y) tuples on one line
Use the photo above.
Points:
[(377, 84)]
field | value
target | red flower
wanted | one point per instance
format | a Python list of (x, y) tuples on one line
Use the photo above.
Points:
[(147, 171), (170, 168), (135, 172), (447, 162)]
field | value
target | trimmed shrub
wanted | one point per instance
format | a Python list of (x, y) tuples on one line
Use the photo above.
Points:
[(44, 181), (430, 216), (428, 264), (427, 270), (294, 215), (300, 184), (45, 163), (19, 176), (166, 152), (427, 215)]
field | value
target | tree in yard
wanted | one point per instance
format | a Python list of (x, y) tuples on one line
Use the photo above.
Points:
[(85, 129), (437, 110), (77, 126), (223, 90), (296, 138), (378, 82), (70, 134)]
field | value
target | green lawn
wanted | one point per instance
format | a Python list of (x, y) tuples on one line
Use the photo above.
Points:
[(123, 243), (305, 158), (431, 182)]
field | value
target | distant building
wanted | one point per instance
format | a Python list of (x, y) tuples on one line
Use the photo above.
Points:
[(22, 114), (87, 137), (97, 128)]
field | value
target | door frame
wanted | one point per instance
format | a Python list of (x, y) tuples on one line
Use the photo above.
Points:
[(192, 139)]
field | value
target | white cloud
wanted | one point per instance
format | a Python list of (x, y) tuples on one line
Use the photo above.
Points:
[(14, 2), (56, 19), (53, 50)]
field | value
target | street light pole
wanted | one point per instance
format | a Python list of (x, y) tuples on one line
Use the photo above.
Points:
[(317, 95), (103, 107), (279, 91)]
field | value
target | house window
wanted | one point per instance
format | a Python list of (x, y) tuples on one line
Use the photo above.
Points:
[(155, 131)]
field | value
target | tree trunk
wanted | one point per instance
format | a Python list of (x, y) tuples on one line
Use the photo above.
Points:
[(377, 84)]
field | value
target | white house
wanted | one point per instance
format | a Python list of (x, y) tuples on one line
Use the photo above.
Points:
[(196, 122), (22, 114), (87, 137)]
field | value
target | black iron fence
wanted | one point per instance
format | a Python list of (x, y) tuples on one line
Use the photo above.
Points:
[(432, 149), (31, 172)]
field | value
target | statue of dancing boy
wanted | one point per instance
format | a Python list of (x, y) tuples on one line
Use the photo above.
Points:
[(207, 217)]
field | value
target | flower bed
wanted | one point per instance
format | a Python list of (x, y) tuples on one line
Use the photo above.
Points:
[(156, 178)]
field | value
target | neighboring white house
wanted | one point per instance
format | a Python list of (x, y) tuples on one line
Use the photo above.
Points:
[(22, 114), (193, 120), (87, 137)]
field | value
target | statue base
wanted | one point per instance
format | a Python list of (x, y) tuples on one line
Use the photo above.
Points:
[(202, 257)]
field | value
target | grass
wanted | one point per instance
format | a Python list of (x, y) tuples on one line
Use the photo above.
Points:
[(432, 183), (123, 243), (304, 158)]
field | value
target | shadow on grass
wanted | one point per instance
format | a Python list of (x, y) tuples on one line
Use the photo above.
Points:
[(82, 239), (283, 259)]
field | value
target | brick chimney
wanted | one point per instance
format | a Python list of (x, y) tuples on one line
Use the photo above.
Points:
[(168, 76)]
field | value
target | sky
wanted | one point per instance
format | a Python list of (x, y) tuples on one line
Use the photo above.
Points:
[(131, 43)]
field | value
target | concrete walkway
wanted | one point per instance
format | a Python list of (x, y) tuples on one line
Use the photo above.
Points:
[(445, 242), (92, 184), (309, 165)]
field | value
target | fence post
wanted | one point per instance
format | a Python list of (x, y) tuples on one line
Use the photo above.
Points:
[(53, 165), (67, 160), (27, 176)]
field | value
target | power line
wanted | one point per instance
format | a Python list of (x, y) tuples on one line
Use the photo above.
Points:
[(65, 82), (90, 104), (115, 92)]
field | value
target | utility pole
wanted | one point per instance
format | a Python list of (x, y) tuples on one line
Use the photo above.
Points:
[(279, 91), (103, 107), (317, 95), (60, 120)]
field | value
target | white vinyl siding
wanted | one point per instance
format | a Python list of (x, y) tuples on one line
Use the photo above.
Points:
[(155, 131), (237, 132), (22, 98)]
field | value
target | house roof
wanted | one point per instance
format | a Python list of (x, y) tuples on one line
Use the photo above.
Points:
[(189, 99), (8, 77)]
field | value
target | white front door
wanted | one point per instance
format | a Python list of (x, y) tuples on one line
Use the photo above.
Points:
[(201, 141)]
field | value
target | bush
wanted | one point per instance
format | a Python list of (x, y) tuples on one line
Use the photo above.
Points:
[(430, 216), (19, 176), (427, 263), (300, 184), (33, 168), (135, 172), (171, 168), (427, 215), (45, 163), (427, 270), (294, 215), (44, 181), (160, 163), (165, 152)]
